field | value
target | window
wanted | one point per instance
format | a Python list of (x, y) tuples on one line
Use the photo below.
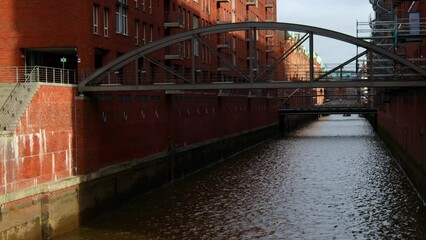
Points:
[(137, 32), (195, 20), (144, 34), (136, 4), (106, 22), (206, 6), (95, 19), (121, 17), (143, 5), (196, 45), (189, 15), (151, 33), (150, 6), (183, 17)]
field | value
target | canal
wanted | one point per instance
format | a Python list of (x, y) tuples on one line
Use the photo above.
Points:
[(332, 179)]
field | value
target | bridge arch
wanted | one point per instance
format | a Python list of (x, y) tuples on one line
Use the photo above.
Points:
[(234, 27)]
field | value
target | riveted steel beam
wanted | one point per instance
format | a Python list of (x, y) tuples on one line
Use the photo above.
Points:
[(258, 85)]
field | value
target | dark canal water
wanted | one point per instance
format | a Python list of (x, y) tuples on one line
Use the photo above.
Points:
[(333, 179)]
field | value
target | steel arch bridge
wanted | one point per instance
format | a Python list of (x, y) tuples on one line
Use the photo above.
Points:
[(107, 78)]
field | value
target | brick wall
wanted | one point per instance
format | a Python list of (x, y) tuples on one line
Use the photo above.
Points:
[(405, 120), (42, 148), (127, 126)]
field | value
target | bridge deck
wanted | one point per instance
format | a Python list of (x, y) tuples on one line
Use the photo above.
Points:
[(259, 85)]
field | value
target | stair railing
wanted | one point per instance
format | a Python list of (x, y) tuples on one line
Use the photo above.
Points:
[(9, 110)]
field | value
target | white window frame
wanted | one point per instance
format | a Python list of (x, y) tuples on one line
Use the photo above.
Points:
[(121, 21), (95, 19), (106, 22), (196, 45)]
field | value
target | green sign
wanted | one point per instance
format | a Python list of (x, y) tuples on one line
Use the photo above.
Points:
[(63, 60)]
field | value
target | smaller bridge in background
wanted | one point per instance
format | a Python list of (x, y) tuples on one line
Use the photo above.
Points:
[(341, 106), (321, 109)]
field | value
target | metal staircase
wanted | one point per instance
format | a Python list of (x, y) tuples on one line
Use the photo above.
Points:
[(19, 96)]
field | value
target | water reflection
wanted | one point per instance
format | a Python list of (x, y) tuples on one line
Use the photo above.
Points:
[(333, 179)]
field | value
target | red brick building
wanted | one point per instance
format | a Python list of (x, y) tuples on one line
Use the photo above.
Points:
[(90, 34), (64, 154), (402, 116)]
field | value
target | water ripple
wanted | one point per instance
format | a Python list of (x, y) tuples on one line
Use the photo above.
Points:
[(333, 179)]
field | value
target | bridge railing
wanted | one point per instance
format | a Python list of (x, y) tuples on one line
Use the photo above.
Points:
[(154, 76), (222, 71), (38, 74)]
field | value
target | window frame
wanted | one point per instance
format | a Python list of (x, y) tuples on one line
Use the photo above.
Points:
[(137, 32), (95, 19), (121, 15), (106, 22)]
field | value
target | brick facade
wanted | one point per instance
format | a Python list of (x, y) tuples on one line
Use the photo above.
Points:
[(42, 148), (402, 114)]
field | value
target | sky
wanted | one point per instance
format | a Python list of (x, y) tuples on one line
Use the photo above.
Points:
[(337, 15)]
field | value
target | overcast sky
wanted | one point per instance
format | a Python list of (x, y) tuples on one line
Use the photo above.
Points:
[(337, 15)]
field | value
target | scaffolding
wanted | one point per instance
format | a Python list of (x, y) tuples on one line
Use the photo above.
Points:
[(389, 31), (397, 29)]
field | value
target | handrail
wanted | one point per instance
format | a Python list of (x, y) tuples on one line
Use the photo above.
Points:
[(9, 109), (46, 74), (19, 95), (24, 88)]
